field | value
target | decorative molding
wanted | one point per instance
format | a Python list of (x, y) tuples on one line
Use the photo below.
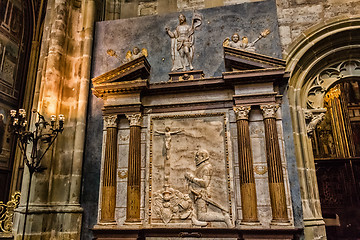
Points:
[(135, 119), (242, 112), (269, 110), (110, 121)]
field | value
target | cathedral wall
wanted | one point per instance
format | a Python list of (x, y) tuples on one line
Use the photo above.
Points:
[(149, 32), (297, 16)]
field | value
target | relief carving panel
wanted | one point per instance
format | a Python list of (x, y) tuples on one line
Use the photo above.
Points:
[(189, 177)]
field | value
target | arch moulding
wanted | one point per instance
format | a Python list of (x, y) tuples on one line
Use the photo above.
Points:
[(322, 56)]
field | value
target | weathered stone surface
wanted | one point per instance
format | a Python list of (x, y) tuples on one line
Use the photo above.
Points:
[(297, 16)]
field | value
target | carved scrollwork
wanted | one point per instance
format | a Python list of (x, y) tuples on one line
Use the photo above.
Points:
[(135, 119), (7, 213), (242, 112), (110, 121), (269, 110)]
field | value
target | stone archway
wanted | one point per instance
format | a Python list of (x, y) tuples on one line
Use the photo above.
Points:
[(309, 61)]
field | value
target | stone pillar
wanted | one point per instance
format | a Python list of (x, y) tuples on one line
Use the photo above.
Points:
[(134, 170), (108, 198), (275, 173), (246, 171)]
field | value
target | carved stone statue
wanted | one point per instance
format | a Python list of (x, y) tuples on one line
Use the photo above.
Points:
[(199, 183), (315, 120), (244, 43), (167, 139), (182, 43)]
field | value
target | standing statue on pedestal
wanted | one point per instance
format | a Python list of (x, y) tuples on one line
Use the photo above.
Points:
[(182, 43)]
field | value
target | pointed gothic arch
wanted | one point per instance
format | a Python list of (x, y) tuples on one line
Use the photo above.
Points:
[(323, 56)]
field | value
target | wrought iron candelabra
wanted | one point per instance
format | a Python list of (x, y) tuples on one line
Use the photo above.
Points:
[(40, 137)]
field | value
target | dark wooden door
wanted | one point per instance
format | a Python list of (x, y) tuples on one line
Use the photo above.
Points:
[(338, 182)]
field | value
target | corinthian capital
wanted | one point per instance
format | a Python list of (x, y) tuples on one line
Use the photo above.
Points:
[(110, 121), (242, 112), (269, 111), (135, 119)]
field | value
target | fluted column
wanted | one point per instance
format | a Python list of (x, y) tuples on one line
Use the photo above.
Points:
[(134, 169), (275, 173), (246, 172), (108, 200)]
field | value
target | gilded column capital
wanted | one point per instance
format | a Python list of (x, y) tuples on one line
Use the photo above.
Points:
[(242, 112), (110, 121), (135, 119), (269, 110)]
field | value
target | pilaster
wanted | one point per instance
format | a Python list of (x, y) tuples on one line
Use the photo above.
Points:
[(108, 199), (246, 172), (134, 169), (275, 173)]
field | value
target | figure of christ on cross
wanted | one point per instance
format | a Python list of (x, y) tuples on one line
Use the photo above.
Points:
[(167, 141)]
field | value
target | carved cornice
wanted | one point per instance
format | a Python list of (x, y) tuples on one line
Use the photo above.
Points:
[(110, 121), (237, 58), (242, 112), (135, 119), (269, 110), (274, 74)]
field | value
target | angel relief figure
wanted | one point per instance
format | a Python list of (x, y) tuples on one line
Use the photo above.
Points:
[(136, 53), (182, 42), (235, 42)]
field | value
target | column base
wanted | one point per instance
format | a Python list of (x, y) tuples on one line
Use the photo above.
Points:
[(133, 222), (280, 223), (250, 223), (107, 223)]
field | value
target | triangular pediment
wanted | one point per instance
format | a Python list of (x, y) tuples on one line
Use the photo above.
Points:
[(129, 77), (239, 60), (136, 69)]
